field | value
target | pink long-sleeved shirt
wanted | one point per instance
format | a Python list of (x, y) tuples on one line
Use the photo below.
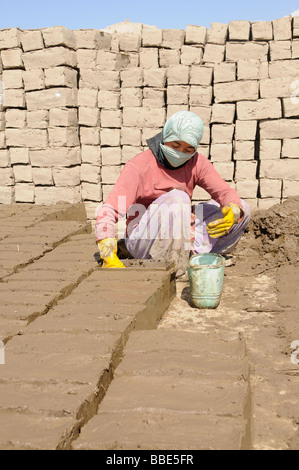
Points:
[(144, 179)]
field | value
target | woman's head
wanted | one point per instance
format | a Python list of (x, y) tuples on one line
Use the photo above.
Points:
[(182, 134), (184, 126)]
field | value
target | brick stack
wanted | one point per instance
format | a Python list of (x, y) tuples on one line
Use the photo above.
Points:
[(79, 104), (41, 127), (90, 45)]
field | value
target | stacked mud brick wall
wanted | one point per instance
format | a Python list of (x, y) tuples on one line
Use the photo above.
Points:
[(77, 105)]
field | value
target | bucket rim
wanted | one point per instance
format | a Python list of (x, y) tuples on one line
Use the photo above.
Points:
[(201, 266)]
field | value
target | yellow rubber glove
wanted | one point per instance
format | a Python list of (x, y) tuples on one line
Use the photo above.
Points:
[(108, 253), (219, 228)]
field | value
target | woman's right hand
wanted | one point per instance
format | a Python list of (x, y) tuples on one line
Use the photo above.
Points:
[(108, 253)]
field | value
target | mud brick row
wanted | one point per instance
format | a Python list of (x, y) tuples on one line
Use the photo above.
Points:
[(39, 99), (76, 106), (165, 396), (56, 282)]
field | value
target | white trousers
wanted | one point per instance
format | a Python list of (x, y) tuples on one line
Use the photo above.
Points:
[(163, 232)]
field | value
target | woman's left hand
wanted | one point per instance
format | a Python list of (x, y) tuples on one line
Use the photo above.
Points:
[(221, 227)]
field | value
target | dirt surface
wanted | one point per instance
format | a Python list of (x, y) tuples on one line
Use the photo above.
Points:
[(113, 359), (260, 302)]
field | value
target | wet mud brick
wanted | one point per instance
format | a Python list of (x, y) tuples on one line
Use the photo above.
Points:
[(58, 370), (51, 233), (14, 218), (19, 252), (174, 390), (31, 291), (287, 282)]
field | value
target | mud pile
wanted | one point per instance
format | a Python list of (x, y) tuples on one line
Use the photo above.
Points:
[(272, 237)]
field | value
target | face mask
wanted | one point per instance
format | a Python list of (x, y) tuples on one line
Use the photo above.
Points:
[(174, 157)]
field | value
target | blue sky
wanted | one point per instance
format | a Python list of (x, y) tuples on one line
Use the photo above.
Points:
[(85, 14)]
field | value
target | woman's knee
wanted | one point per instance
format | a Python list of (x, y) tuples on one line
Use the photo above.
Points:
[(246, 210), (177, 196)]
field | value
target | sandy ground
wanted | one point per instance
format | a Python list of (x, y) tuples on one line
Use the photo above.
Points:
[(259, 302)]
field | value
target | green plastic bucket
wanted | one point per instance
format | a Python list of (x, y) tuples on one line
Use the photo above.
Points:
[(206, 274)]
